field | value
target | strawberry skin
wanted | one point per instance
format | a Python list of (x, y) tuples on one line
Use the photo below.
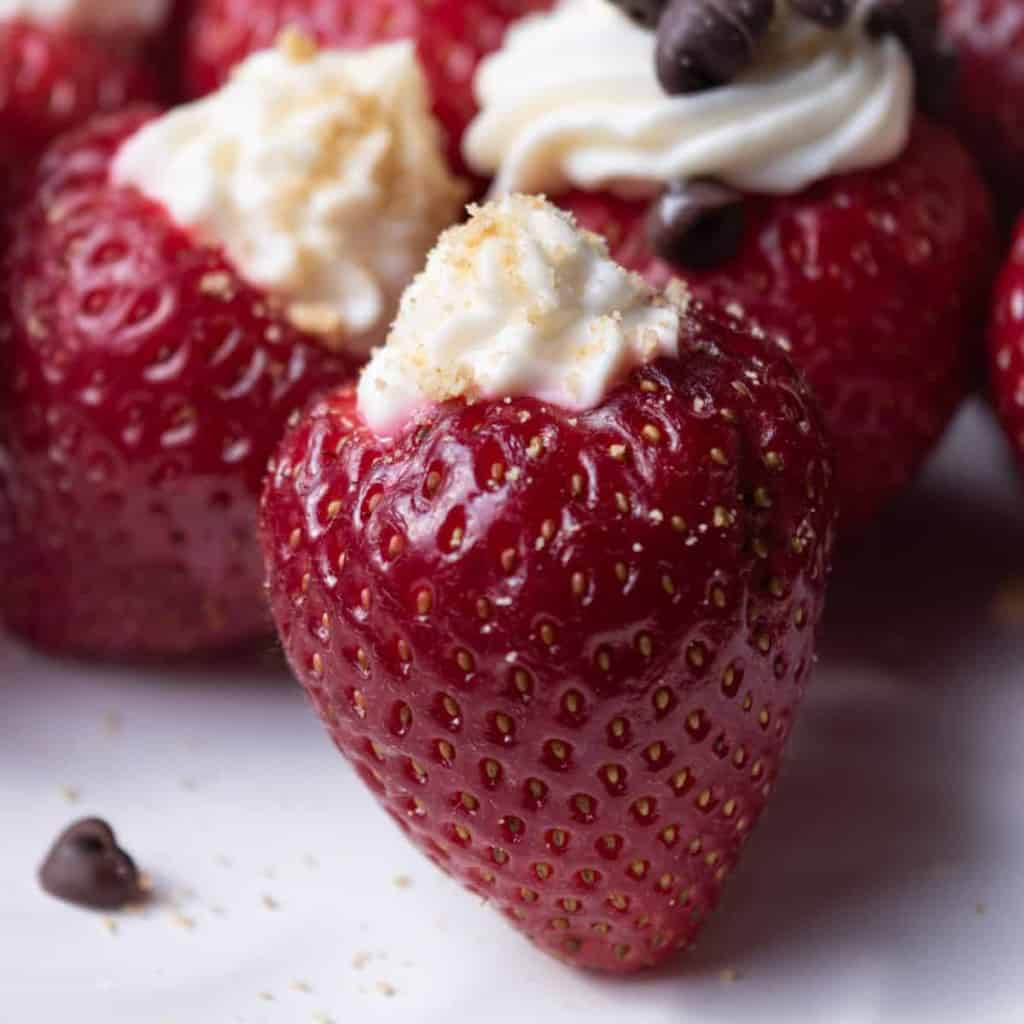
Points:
[(1006, 347), (148, 388), (987, 109), (52, 79), (451, 38), (564, 649), (873, 282)]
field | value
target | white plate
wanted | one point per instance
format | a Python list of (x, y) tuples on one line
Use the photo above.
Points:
[(279, 882)]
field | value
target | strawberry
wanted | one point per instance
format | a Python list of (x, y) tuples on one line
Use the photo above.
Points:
[(987, 107), (564, 649), (873, 283), (1006, 346), (52, 79), (148, 389), (452, 37)]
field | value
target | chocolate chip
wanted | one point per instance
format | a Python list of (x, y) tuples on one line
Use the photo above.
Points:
[(644, 12), (704, 43), (830, 13), (87, 867), (936, 76), (699, 224), (914, 22)]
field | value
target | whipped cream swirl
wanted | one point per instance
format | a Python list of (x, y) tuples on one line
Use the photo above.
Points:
[(572, 100), (517, 301), (320, 173)]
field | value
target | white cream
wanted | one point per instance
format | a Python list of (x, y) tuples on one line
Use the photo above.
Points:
[(105, 17), (517, 301), (320, 174), (572, 99)]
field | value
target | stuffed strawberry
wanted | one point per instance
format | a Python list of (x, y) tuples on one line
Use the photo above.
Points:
[(61, 62), (1006, 347), (551, 577), (450, 35), (789, 182), (988, 102), (178, 287)]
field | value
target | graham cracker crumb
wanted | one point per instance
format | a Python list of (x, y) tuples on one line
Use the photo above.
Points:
[(385, 988), (217, 283), (270, 903), (296, 45), (70, 793), (110, 924), (729, 975), (361, 960), (183, 920), (403, 882)]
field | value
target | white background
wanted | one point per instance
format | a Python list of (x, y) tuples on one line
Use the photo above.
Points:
[(276, 875)]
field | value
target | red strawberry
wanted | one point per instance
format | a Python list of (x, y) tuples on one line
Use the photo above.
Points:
[(564, 649), (1006, 346), (149, 387), (988, 104), (872, 281), (52, 79), (451, 36)]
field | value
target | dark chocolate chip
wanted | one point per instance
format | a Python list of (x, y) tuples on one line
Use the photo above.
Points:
[(914, 22), (704, 43), (699, 224), (643, 12), (935, 77), (87, 867), (830, 13)]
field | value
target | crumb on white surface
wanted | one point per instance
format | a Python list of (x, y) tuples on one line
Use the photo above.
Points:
[(385, 988), (361, 960), (403, 882), (270, 903), (72, 794)]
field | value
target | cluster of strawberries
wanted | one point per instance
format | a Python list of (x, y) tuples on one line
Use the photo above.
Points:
[(564, 649)]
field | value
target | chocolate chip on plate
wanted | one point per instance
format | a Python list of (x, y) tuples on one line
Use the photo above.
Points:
[(830, 13), (644, 12), (87, 867), (704, 43), (697, 224)]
